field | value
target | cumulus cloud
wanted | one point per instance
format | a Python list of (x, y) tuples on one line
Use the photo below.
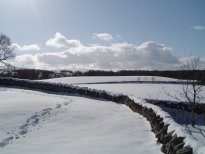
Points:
[(31, 47), (149, 55), (60, 41), (26, 59), (199, 27), (103, 36)]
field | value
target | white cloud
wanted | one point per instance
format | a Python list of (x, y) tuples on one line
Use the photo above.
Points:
[(149, 55), (199, 27), (26, 59), (60, 41), (103, 36), (31, 47)]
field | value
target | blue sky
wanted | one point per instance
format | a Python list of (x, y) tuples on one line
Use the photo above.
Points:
[(176, 24)]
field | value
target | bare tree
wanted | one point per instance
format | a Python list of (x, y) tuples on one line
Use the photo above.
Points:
[(6, 50), (192, 91)]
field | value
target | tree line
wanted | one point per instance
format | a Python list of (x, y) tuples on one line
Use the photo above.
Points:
[(35, 74)]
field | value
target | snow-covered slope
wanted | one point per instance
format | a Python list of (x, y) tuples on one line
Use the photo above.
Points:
[(101, 79), (137, 92), (36, 122), (142, 90), (150, 91), (158, 91)]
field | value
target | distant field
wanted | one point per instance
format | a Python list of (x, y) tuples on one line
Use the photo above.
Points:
[(151, 91), (101, 79)]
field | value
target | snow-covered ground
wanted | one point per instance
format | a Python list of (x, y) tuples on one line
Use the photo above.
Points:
[(156, 91), (142, 90), (101, 79), (149, 91), (36, 122)]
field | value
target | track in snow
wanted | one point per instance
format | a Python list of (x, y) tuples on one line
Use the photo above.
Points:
[(34, 121)]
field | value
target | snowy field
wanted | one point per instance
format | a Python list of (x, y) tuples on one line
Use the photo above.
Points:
[(138, 92), (100, 79), (36, 122), (142, 90), (149, 91)]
